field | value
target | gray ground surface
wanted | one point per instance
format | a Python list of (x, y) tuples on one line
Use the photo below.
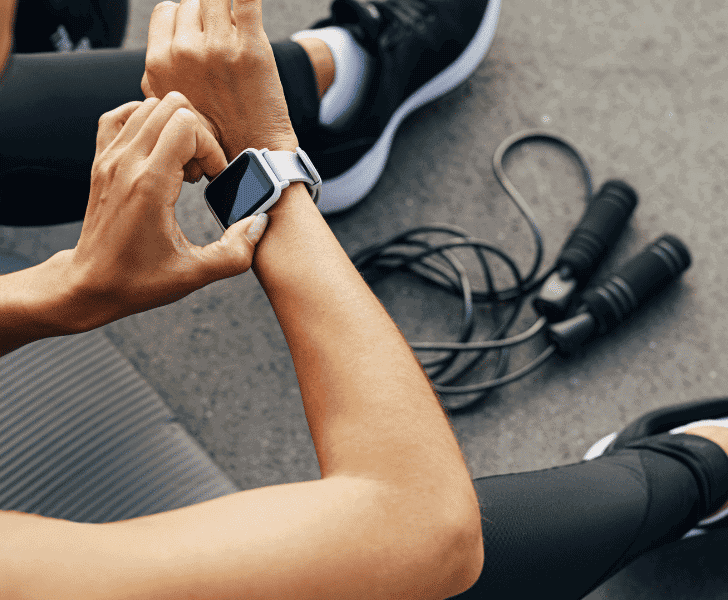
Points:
[(641, 88)]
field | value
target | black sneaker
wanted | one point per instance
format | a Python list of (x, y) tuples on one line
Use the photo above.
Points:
[(422, 50), (675, 419)]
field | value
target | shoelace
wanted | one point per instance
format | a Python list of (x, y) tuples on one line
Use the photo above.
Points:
[(383, 23), (411, 13), (403, 15)]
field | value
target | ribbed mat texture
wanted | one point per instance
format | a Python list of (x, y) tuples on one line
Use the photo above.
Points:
[(84, 438)]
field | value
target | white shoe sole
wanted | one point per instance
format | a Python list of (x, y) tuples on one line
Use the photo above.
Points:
[(350, 187), (599, 448)]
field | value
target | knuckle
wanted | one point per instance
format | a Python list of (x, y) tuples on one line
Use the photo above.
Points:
[(154, 63), (152, 101), (238, 257), (258, 45), (246, 262), (142, 183), (186, 117), (183, 51), (109, 119), (178, 99), (244, 255), (256, 52), (218, 51), (103, 169)]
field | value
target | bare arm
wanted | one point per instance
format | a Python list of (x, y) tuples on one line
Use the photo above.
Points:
[(32, 303), (371, 410)]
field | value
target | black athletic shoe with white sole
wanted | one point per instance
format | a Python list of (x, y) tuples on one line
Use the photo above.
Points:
[(672, 419), (422, 49)]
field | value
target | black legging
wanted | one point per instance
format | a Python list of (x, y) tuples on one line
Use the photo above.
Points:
[(50, 105), (555, 533), (561, 532)]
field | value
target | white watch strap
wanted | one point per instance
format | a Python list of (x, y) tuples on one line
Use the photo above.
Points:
[(294, 166)]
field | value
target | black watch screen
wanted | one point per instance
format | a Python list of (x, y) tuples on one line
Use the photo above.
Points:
[(239, 190)]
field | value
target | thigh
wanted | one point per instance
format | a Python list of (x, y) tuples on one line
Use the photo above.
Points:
[(50, 105)]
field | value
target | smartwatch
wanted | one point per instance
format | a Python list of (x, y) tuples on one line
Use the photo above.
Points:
[(254, 180)]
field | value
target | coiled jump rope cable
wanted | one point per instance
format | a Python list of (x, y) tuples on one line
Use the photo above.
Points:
[(411, 251)]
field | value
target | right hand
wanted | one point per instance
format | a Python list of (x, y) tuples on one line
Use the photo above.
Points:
[(222, 61), (132, 255)]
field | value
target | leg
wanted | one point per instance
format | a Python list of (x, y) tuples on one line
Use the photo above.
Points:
[(50, 106), (562, 532), (322, 62)]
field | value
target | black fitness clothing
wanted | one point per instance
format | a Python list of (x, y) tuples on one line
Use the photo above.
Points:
[(561, 532), (50, 105)]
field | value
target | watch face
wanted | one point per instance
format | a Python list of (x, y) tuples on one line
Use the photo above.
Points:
[(239, 190)]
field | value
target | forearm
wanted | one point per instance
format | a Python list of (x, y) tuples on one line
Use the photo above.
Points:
[(370, 407), (372, 412), (33, 303)]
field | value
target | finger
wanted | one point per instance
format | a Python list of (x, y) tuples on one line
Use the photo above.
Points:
[(182, 139), (161, 34), (216, 17), (162, 25), (135, 121), (189, 21), (248, 16), (233, 253), (146, 88), (111, 123), (156, 120)]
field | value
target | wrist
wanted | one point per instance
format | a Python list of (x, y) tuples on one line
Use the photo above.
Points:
[(293, 217), (233, 145), (294, 201), (37, 303), (61, 304)]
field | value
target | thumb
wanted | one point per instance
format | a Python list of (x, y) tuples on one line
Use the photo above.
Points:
[(256, 229), (232, 254)]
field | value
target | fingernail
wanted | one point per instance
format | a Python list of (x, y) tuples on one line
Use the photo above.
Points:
[(255, 231)]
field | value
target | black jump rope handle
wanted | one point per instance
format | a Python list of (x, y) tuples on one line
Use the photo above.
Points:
[(596, 234), (622, 294)]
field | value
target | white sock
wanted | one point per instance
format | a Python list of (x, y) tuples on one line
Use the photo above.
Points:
[(353, 65)]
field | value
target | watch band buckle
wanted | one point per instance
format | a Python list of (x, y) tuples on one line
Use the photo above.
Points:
[(315, 188)]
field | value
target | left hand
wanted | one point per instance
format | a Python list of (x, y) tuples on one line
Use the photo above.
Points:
[(222, 61)]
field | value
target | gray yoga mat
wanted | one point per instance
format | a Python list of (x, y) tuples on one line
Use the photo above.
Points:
[(84, 438)]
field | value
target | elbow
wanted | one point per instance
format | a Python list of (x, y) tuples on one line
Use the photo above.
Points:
[(450, 553), (462, 552)]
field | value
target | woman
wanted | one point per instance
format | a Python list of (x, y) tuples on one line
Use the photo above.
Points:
[(395, 514)]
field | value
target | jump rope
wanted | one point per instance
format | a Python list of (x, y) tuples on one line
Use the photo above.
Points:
[(571, 313)]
